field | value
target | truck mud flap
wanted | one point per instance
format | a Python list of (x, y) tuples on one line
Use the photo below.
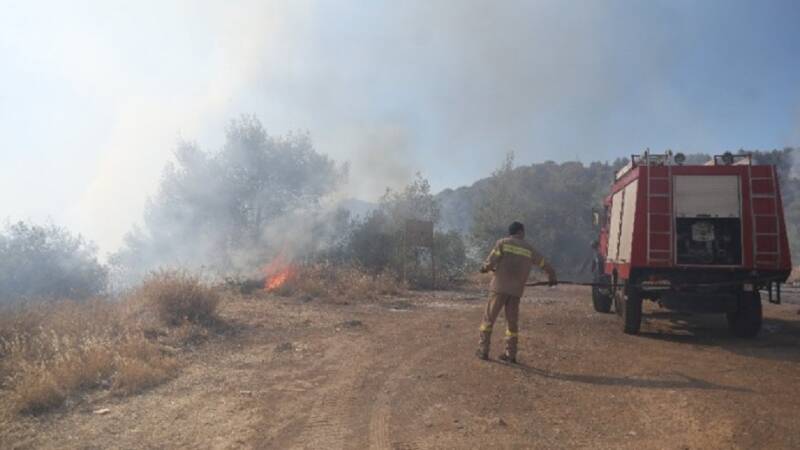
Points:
[(776, 298)]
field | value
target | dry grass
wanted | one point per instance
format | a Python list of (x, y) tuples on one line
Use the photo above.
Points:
[(179, 297), (50, 353), (143, 366), (328, 280)]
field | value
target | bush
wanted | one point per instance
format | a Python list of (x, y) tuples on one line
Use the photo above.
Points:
[(376, 246), (371, 244), (47, 262), (179, 297)]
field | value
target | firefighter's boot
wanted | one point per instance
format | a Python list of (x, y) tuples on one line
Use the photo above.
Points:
[(510, 354), (484, 342)]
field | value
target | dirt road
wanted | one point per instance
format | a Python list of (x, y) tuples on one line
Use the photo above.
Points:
[(400, 374)]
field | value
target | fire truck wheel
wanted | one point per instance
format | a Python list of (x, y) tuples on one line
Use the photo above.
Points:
[(601, 301), (746, 321), (631, 314)]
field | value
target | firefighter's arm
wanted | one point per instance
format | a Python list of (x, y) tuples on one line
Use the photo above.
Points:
[(552, 280), (542, 263), (491, 261)]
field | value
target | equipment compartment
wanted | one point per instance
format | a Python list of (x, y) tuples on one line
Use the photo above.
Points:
[(709, 241)]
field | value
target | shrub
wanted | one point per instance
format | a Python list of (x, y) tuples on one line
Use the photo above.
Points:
[(371, 244), (38, 393), (47, 262), (179, 297)]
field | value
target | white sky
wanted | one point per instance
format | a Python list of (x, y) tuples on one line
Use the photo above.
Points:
[(94, 97)]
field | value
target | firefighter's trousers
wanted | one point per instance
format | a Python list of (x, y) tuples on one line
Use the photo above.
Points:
[(496, 303)]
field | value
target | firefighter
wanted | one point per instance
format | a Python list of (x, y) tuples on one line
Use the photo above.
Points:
[(511, 261)]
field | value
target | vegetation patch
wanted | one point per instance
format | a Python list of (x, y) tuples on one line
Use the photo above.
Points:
[(343, 282), (179, 297), (51, 353)]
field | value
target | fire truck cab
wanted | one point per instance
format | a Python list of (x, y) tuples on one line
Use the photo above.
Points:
[(693, 238)]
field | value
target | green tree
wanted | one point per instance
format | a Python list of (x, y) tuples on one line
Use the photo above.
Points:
[(414, 201), (214, 209), (497, 207), (377, 242)]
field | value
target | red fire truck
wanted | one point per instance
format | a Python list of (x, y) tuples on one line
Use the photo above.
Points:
[(693, 238)]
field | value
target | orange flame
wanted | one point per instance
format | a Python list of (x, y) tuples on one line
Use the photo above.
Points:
[(277, 272), (277, 280)]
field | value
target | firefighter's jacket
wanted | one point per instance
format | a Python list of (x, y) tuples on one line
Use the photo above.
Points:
[(511, 260)]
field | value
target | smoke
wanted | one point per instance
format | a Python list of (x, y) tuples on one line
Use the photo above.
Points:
[(392, 88), (157, 74), (382, 158)]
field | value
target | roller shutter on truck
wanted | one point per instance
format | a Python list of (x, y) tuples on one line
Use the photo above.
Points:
[(707, 196), (623, 212)]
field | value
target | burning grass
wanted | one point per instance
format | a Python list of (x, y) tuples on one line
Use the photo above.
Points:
[(329, 280), (51, 353)]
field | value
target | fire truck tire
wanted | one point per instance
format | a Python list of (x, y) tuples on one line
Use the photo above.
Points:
[(631, 314), (745, 322), (601, 301)]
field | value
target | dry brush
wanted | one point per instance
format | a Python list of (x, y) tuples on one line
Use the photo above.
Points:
[(52, 353)]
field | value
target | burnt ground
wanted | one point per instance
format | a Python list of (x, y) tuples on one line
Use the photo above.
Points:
[(400, 374)]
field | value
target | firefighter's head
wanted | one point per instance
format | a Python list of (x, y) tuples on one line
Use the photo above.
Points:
[(516, 229)]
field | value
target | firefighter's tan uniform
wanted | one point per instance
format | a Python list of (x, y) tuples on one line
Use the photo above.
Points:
[(511, 260)]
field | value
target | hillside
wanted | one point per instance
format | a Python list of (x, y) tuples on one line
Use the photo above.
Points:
[(556, 199)]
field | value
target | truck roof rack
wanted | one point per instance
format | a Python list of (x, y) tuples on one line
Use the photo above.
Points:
[(667, 158), (646, 159), (729, 159)]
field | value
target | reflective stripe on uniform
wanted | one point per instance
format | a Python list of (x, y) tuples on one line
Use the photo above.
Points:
[(497, 252), (517, 250), (541, 264), (486, 328), (512, 333)]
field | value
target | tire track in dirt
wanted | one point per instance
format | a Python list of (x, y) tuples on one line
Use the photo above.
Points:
[(325, 425), (380, 416)]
